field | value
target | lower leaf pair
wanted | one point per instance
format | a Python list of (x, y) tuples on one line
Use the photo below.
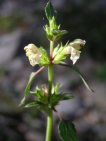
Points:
[(67, 131)]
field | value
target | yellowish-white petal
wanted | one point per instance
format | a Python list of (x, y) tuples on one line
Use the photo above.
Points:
[(78, 43), (33, 53), (75, 54)]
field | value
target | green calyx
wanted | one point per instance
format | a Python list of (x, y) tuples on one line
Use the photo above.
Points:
[(44, 59), (59, 54)]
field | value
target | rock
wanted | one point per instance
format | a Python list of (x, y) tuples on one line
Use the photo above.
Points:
[(8, 45)]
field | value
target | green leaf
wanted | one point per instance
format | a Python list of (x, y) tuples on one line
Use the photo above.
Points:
[(80, 75), (37, 105), (58, 33), (49, 11), (27, 89), (56, 98), (67, 131), (32, 105)]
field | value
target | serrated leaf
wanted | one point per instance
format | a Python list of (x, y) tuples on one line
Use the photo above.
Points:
[(56, 98), (32, 105), (80, 75), (27, 89), (37, 105), (67, 131), (67, 97), (57, 34), (49, 11)]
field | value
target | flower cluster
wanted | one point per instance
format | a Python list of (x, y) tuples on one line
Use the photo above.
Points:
[(36, 56)]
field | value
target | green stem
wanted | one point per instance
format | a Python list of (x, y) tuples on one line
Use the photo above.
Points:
[(50, 79), (50, 112), (51, 48), (49, 126), (50, 70)]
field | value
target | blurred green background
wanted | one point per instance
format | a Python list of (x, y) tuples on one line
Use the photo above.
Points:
[(21, 23)]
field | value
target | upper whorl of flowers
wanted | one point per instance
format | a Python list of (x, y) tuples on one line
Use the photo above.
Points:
[(39, 56), (33, 53)]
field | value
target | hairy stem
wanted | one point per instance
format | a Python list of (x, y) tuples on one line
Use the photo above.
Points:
[(51, 49), (49, 126), (50, 80)]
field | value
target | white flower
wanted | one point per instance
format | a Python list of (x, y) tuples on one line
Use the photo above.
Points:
[(33, 54), (73, 49), (75, 54)]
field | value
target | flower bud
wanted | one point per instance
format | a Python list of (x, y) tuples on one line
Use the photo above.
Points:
[(33, 54)]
